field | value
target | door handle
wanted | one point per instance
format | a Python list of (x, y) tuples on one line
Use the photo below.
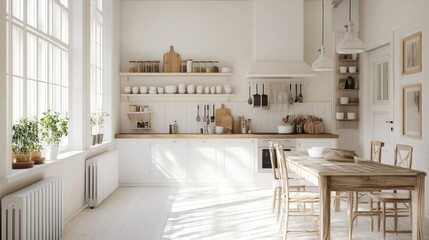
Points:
[(391, 122)]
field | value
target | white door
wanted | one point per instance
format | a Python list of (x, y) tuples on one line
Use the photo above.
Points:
[(381, 97), (204, 160), (168, 161)]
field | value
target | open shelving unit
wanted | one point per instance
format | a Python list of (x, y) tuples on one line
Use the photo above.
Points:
[(345, 88)]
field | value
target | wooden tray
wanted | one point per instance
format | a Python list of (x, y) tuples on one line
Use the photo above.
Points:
[(21, 165), (38, 160)]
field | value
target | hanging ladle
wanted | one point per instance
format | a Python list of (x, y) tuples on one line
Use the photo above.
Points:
[(198, 114), (249, 101)]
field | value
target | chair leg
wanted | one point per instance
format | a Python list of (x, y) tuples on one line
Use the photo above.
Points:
[(356, 204), (281, 217), (279, 202), (350, 206), (371, 218), (274, 197), (384, 221), (286, 206), (378, 216)]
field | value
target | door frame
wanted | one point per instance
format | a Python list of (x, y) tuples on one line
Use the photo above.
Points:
[(365, 95)]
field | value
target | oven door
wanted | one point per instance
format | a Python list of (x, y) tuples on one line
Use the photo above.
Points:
[(264, 161)]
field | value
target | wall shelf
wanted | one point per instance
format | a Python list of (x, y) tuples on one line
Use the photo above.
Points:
[(175, 97), (132, 74), (345, 60)]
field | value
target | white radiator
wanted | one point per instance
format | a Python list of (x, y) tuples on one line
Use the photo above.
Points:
[(101, 177), (35, 212)]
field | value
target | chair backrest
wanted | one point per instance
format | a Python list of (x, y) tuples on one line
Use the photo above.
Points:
[(403, 156), (281, 161), (376, 149), (272, 149)]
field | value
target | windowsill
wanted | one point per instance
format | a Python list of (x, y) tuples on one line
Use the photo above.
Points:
[(18, 174)]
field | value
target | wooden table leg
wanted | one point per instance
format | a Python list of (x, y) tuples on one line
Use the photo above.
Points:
[(325, 208), (350, 213), (418, 208)]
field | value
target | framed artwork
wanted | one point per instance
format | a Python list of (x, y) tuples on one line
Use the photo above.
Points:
[(412, 110), (412, 54)]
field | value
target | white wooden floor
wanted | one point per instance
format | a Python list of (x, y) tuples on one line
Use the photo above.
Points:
[(201, 213)]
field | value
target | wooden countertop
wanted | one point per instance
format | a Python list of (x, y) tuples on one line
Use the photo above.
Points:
[(198, 135)]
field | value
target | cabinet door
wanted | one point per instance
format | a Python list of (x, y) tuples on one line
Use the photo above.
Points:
[(134, 160), (239, 159), (304, 144), (204, 160), (168, 161)]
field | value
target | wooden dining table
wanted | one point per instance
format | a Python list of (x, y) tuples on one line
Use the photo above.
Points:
[(361, 176)]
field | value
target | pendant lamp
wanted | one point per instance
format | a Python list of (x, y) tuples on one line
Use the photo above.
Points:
[(323, 63), (350, 43)]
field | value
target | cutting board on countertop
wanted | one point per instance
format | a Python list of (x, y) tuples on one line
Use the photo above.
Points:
[(171, 61), (220, 113), (226, 123)]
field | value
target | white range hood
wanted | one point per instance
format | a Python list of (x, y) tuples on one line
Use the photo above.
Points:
[(278, 46)]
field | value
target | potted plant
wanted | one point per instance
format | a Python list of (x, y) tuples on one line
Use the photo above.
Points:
[(20, 140), (34, 138), (54, 127), (101, 118), (93, 124)]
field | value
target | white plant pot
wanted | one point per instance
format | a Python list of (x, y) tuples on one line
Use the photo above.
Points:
[(51, 152)]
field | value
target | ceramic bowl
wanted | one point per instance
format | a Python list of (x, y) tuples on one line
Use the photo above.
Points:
[(343, 69), (135, 90), (339, 115), (352, 69), (219, 130), (127, 90), (344, 100), (351, 115)]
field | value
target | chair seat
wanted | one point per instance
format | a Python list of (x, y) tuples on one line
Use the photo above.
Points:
[(292, 188), (304, 197), (387, 197)]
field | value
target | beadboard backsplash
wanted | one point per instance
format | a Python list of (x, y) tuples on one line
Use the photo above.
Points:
[(185, 113)]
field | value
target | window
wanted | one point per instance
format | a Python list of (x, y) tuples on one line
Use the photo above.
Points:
[(96, 55), (38, 57)]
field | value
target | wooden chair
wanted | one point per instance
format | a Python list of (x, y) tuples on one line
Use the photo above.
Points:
[(289, 197), (403, 158), (371, 212), (277, 188)]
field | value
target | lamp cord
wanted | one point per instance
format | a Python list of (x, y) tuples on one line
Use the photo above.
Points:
[(323, 23), (350, 10)]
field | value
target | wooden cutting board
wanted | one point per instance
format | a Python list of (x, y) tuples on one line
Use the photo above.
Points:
[(221, 112), (226, 123), (171, 61)]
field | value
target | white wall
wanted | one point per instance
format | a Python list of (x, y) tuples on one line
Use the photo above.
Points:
[(400, 20), (216, 30)]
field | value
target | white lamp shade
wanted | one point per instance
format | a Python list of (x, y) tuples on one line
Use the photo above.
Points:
[(323, 63), (350, 44)]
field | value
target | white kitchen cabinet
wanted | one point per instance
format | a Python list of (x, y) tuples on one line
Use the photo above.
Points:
[(204, 160), (239, 159), (305, 143), (134, 161), (169, 161)]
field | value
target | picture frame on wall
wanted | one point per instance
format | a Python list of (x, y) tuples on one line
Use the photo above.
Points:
[(412, 54), (412, 110)]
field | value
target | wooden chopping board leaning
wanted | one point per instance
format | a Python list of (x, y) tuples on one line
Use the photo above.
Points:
[(171, 61), (223, 118)]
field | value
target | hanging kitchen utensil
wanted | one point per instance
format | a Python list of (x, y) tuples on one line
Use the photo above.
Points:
[(208, 113), (205, 116), (171, 61), (249, 101), (264, 98), (301, 98), (198, 113), (296, 93), (291, 96), (256, 98), (212, 118)]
